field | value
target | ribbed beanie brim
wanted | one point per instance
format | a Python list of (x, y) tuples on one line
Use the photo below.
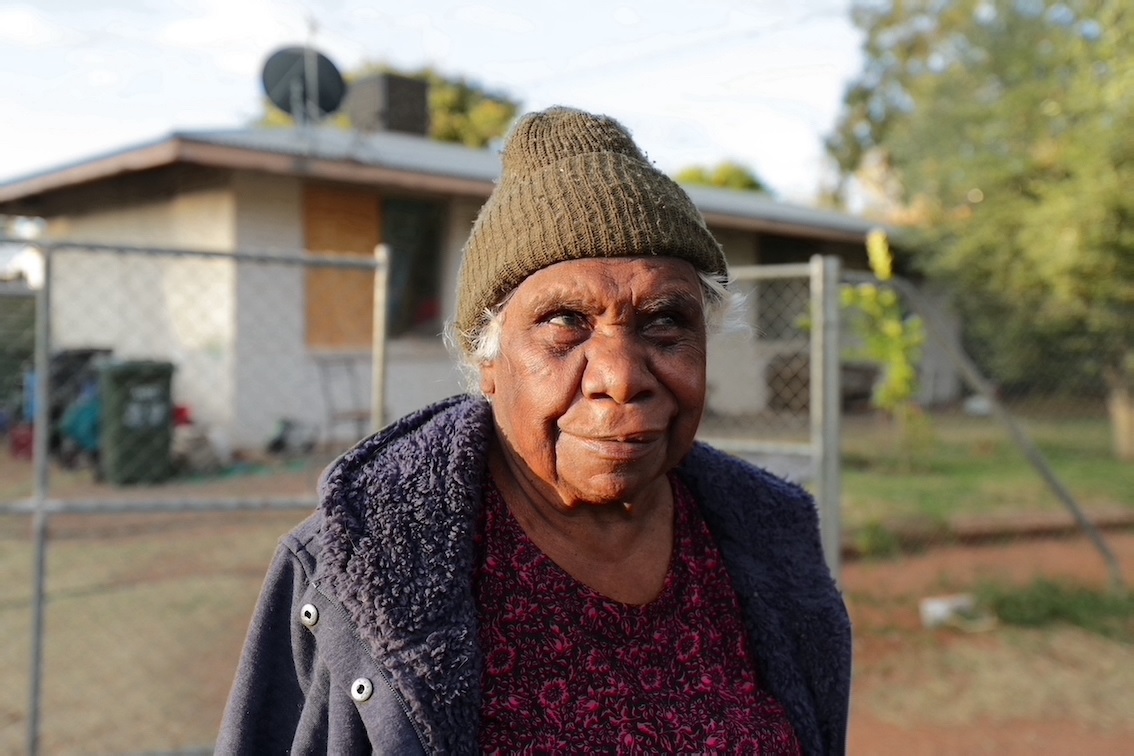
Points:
[(573, 185)]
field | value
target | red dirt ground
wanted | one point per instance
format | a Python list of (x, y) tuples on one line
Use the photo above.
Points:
[(883, 599)]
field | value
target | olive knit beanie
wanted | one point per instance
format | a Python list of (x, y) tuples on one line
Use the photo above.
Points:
[(573, 185)]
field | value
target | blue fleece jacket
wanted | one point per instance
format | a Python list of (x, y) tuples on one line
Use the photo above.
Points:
[(364, 638)]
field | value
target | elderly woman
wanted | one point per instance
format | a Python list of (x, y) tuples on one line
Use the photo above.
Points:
[(556, 565)]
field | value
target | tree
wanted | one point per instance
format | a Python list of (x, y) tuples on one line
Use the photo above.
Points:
[(1001, 128), (459, 110), (726, 175)]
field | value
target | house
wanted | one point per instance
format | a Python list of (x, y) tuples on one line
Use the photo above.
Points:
[(284, 191)]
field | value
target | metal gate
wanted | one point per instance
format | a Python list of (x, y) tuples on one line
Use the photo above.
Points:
[(774, 382)]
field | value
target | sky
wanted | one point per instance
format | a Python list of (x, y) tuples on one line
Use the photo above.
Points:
[(758, 82)]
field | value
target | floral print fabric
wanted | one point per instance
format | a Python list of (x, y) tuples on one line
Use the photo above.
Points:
[(568, 670)]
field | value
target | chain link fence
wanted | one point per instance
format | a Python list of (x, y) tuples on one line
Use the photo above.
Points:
[(166, 416), (978, 459), (189, 402)]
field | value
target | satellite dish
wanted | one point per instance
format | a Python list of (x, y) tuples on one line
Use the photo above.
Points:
[(303, 82)]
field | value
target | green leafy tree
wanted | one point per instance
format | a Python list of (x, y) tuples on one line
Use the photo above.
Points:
[(726, 175), (1000, 129), (459, 110), (464, 112)]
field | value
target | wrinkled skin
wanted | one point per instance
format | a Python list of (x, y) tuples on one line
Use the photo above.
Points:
[(600, 384)]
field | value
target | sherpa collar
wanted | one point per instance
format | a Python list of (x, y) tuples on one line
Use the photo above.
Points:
[(401, 511)]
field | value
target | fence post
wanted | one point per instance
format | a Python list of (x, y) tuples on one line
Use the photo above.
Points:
[(378, 339), (41, 435), (825, 404)]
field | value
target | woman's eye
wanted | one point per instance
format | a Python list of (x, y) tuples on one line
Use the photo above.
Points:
[(667, 321), (567, 320)]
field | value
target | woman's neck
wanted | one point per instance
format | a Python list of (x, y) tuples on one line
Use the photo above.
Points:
[(623, 552)]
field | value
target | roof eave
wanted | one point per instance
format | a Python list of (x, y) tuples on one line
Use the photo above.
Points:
[(181, 150), (764, 225), (221, 156), (143, 158)]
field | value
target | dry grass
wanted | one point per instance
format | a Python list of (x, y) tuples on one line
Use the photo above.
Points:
[(144, 625)]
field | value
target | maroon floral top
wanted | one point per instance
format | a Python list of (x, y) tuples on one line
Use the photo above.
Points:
[(567, 669)]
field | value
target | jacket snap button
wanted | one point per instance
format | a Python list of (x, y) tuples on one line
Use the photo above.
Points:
[(361, 689), (309, 615)]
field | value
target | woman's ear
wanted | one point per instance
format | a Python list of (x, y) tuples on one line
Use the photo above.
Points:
[(488, 379)]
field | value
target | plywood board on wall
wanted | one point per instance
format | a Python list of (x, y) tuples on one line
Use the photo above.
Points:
[(340, 303)]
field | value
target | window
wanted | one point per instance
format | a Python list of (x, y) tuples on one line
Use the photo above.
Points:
[(413, 233), (352, 222)]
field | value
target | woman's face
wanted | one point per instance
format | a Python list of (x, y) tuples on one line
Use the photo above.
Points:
[(600, 382)]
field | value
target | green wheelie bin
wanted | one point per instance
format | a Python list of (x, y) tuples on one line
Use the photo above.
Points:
[(137, 421)]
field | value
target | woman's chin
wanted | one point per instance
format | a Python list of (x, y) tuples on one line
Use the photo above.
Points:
[(614, 489)]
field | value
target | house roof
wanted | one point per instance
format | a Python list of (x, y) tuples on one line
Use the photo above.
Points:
[(386, 159)]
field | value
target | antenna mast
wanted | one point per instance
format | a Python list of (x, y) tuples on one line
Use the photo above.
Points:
[(310, 75)]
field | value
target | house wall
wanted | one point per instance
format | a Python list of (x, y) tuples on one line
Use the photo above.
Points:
[(154, 307), (235, 331), (735, 367), (275, 377), (740, 247), (309, 385), (939, 381)]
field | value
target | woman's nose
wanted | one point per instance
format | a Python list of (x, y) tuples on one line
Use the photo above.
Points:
[(617, 368)]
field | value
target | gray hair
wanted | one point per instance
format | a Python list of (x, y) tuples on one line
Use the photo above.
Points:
[(724, 313)]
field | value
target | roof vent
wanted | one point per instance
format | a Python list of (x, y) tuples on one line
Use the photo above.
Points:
[(389, 102)]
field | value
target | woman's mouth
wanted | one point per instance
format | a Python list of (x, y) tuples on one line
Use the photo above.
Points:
[(618, 446)]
